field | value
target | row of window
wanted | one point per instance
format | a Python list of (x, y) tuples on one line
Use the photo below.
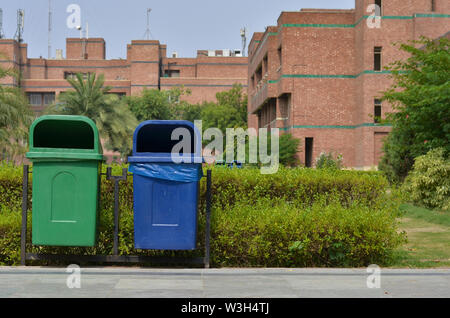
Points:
[(41, 99), (72, 75), (45, 99)]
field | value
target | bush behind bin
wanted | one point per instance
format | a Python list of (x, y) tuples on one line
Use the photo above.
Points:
[(295, 218)]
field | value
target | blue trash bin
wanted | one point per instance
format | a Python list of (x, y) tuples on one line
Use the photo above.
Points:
[(165, 193)]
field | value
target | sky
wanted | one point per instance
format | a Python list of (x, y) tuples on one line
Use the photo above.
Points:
[(184, 25)]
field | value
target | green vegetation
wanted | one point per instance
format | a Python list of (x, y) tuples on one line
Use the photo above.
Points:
[(428, 238), (230, 110), (153, 104), (429, 181), (289, 148), (418, 148), (15, 117), (420, 98), (92, 99), (325, 233), (297, 217), (328, 161)]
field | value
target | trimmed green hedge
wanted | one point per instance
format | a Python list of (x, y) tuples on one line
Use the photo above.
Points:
[(295, 218)]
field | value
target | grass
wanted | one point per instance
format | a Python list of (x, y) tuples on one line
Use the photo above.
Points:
[(428, 238)]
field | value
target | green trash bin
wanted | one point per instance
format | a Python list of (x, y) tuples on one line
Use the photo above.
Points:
[(67, 156)]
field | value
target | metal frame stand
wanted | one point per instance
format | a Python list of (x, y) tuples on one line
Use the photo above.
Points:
[(115, 258)]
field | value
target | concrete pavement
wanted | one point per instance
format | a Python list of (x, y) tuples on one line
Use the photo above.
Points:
[(228, 283)]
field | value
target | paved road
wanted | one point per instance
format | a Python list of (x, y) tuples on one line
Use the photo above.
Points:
[(199, 283)]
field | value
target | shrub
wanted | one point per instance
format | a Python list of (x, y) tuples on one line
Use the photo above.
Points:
[(420, 101), (327, 161), (233, 185), (288, 150), (429, 181), (297, 217), (273, 234)]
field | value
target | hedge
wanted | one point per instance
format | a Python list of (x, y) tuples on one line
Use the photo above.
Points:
[(295, 218)]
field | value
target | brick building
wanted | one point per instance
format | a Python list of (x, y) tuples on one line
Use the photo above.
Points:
[(318, 74), (146, 66)]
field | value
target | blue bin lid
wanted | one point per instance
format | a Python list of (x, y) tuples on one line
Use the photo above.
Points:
[(152, 142)]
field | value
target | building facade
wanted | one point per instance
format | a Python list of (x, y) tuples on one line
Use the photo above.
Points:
[(146, 66), (318, 74)]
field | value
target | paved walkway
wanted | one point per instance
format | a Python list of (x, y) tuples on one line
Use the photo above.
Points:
[(200, 283)]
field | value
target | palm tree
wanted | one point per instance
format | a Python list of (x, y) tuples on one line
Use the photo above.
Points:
[(91, 99), (15, 118)]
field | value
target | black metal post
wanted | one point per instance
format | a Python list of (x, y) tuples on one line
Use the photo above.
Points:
[(116, 180), (23, 234), (116, 217), (208, 218)]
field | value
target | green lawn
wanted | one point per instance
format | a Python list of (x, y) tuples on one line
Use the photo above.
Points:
[(428, 238)]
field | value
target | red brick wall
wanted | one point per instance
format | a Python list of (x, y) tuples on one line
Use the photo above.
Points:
[(95, 49), (145, 62), (327, 68)]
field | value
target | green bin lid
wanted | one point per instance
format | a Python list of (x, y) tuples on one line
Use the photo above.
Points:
[(64, 137)]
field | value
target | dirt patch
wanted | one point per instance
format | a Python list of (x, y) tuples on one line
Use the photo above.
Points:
[(428, 229)]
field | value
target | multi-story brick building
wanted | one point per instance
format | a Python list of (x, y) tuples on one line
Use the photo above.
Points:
[(146, 66), (318, 74)]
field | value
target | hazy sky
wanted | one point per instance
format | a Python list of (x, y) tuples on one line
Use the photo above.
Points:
[(184, 25)]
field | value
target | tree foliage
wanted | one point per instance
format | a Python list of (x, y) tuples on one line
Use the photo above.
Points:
[(329, 161), (15, 118), (92, 99), (154, 104), (289, 147), (420, 98), (230, 111), (429, 181)]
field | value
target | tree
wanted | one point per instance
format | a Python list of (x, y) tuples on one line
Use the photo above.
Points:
[(235, 98), (428, 183), (15, 118), (92, 99), (154, 104), (289, 149), (420, 98), (230, 111), (221, 116)]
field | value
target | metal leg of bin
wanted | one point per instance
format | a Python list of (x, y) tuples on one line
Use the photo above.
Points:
[(23, 234), (208, 218), (116, 180)]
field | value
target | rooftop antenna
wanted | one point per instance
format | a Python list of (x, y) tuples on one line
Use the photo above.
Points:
[(1, 24), (49, 29), (20, 25), (244, 40), (147, 32)]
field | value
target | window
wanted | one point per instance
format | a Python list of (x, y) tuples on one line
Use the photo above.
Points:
[(379, 4), (377, 111), (49, 98), (35, 99), (266, 64), (258, 74), (377, 58), (309, 142), (433, 5), (41, 99), (172, 73), (280, 55), (72, 75)]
